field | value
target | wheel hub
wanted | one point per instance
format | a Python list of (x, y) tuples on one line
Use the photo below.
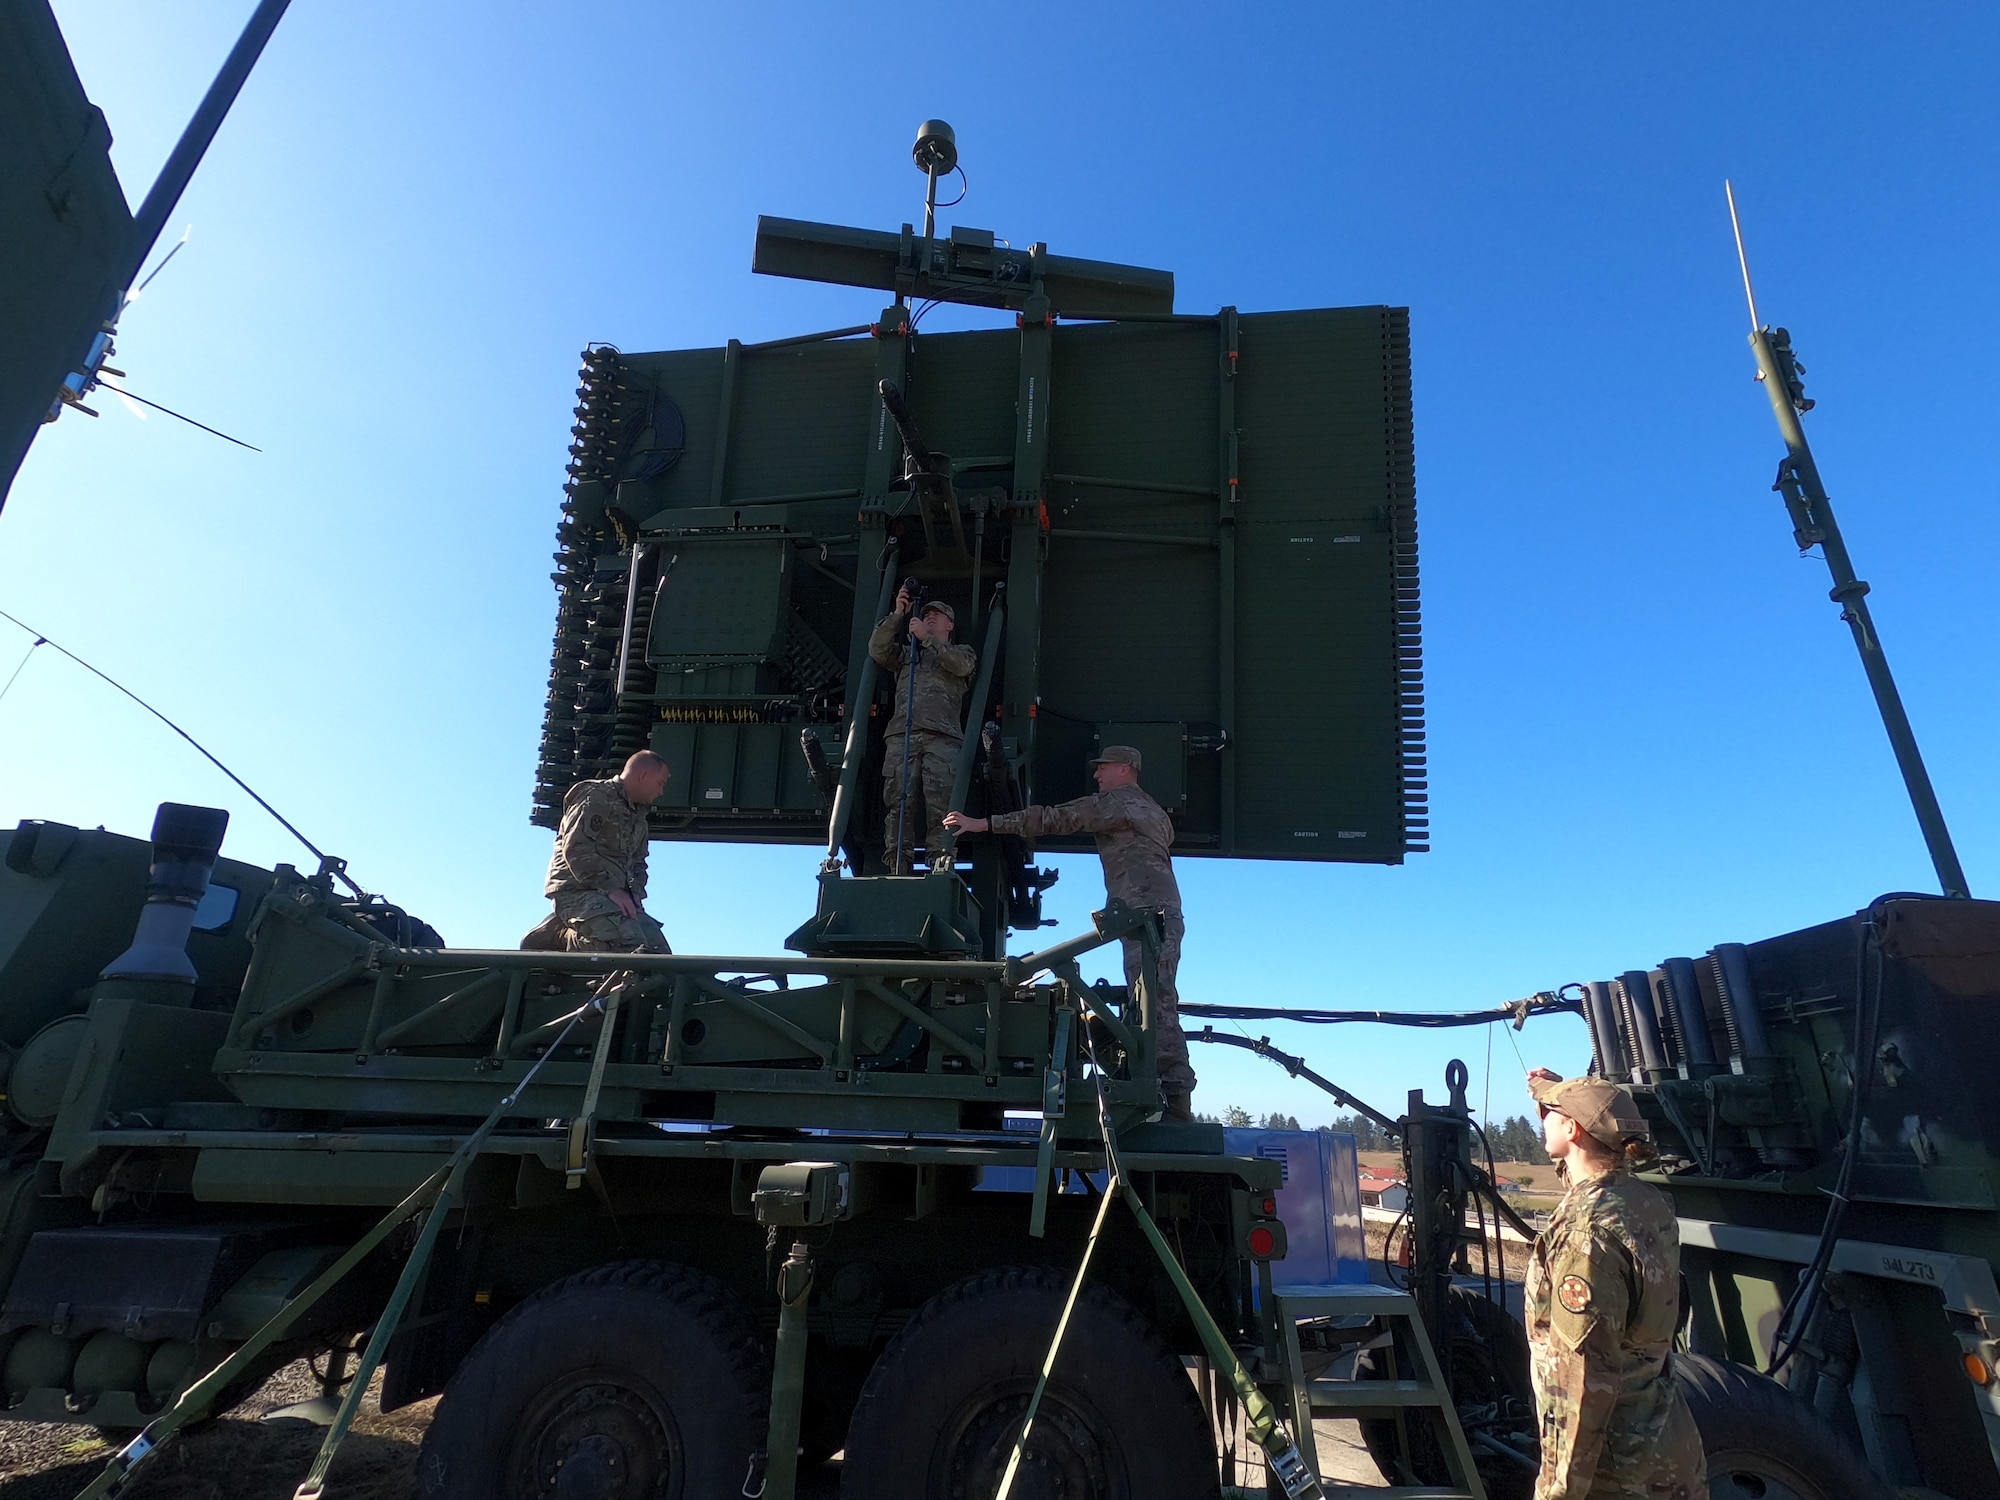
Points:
[(599, 1442), (1064, 1460)]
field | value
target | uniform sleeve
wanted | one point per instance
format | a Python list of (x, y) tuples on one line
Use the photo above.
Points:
[(882, 643), (586, 833), (636, 881), (1591, 1296), (956, 660), (1096, 813)]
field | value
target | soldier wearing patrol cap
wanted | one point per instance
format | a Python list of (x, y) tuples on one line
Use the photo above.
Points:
[(1602, 1301), (930, 694), (1134, 837)]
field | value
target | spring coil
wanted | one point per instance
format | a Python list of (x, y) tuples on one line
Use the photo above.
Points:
[(1729, 1026), (728, 713)]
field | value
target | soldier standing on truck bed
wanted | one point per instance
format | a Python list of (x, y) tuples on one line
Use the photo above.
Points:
[(597, 875), (930, 693), (1134, 837), (1602, 1301)]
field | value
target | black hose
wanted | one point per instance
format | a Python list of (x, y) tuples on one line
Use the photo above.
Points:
[(1545, 1004), (1296, 1066), (1796, 1316)]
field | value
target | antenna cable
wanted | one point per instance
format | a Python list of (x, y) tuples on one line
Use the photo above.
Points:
[(338, 867)]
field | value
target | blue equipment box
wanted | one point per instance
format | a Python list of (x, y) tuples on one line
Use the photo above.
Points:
[(1319, 1202)]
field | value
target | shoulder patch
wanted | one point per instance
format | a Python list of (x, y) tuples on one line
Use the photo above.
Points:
[(1574, 1294)]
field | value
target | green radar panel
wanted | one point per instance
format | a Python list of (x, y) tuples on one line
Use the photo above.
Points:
[(1195, 534)]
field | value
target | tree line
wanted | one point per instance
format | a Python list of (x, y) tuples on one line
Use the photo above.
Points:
[(1515, 1139)]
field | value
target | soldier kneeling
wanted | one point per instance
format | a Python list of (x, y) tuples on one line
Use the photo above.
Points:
[(597, 876)]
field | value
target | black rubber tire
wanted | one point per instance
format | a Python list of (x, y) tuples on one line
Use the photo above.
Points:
[(941, 1410), (1485, 1358), (1763, 1443), (648, 1375)]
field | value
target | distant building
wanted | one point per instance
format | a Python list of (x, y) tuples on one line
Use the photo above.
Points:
[(1384, 1190)]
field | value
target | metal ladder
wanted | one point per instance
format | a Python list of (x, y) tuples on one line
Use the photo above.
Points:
[(1424, 1397)]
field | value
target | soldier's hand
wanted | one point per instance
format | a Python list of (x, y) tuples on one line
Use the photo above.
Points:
[(959, 822), (624, 902), (920, 629), (902, 601)]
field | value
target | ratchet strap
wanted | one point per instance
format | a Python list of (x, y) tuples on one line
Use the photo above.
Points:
[(1265, 1425), (440, 1192)]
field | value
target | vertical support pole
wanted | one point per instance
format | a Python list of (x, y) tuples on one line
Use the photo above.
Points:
[(961, 774), (1228, 491), (843, 1047), (385, 984), (1024, 568), (510, 1017), (732, 357), (856, 747), (996, 996), (677, 1007), (1055, 1104), (788, 1373)]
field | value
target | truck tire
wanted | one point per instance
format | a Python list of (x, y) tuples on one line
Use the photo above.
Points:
[(644, 1381), (1763, 1443), (1485, 1359), (941, 1410)]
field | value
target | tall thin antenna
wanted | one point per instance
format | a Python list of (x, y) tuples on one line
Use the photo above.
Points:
[(1742, 257)]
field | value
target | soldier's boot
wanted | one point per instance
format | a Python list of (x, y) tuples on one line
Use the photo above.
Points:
[(1180, 1105), (550, 935)]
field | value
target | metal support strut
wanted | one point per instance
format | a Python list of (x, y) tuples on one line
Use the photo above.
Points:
[(788, 1378)]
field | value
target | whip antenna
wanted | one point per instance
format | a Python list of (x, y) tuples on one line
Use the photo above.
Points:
[(337, 867), (1742, 257)]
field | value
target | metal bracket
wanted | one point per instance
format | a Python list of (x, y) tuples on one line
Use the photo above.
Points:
[(1055, 1104), (583, 1129)]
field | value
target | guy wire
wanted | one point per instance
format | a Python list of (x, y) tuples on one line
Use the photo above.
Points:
[(289, 827), (23, 666)]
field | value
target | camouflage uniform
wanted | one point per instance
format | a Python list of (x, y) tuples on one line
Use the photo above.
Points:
[(602, 848), (1602, 1298), (942, 674), (1134, 835)]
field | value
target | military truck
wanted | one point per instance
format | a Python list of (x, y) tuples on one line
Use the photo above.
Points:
[(189, 1151), (222, 1076), (1819, 1099)]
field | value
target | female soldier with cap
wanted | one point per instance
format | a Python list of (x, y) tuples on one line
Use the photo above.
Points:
[(1603, 1299)]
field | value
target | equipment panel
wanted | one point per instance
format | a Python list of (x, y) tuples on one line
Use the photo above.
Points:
[(1202, 525)]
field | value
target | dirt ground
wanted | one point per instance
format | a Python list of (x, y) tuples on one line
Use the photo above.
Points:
[(239, 1457), (242, 1457)]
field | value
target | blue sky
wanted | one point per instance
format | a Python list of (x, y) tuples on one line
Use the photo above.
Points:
[(1649, 733)]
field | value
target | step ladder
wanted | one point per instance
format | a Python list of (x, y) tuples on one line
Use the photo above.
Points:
[(1422, 1398)]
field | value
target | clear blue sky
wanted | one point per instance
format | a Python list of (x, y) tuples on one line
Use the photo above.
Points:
[(1649, 733)]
